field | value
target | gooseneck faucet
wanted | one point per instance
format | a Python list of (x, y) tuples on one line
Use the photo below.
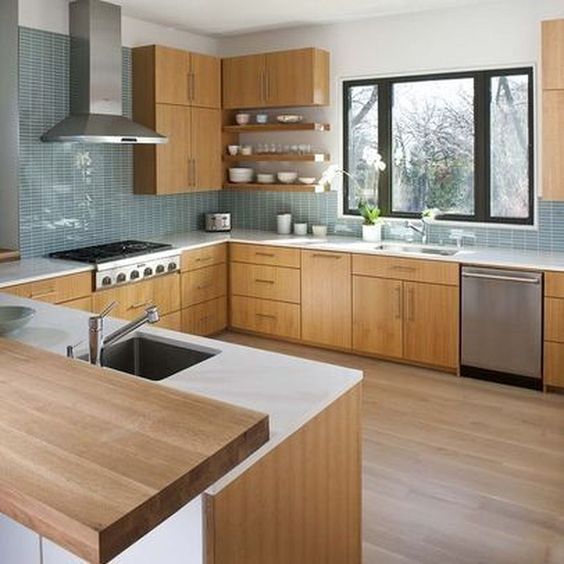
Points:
[(420, 227)]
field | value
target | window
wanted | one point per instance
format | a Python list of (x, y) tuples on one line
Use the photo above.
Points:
[(462, 143)]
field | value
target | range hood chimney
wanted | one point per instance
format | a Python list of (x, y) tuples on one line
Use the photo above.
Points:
[(95, 81)]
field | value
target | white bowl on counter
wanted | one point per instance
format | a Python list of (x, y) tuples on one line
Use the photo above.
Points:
[(265, 178), (241, 175), (13, 318), (287, 177)]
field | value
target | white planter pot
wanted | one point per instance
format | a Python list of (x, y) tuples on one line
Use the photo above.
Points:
[(372, 233)]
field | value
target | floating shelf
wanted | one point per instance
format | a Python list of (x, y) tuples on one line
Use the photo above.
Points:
[(310, 158), (258, 128), (255, 187)]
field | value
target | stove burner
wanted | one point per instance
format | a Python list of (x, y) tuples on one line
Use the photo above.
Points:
[(99, 254)]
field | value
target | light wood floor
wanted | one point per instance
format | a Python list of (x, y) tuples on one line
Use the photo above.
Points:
[(455, 470)]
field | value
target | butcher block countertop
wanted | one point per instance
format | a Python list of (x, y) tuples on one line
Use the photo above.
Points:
[(93, 459)]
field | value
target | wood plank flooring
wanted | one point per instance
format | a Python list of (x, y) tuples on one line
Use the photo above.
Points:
[(455, 471)]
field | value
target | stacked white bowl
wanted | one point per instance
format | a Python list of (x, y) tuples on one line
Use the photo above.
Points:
[(241, 175)]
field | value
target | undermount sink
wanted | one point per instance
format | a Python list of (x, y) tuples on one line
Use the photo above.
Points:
[(419, 250), (151, 359)]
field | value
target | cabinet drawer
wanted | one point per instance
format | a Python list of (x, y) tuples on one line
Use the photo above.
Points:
[(207, 256), (204, 284), (205, 319), (267, 282), (416, 270), (55, 290), (263, 316), (554, 319), (171, 321), (164, 292), (262, 254), (554, 284), (554, 364), (82, 304)]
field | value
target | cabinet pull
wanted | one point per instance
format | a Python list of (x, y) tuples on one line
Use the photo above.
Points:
[(43, 294), (265, 316), (203, 259), (398, 302), (261, 85), (189, 86), (140, 304), (259, 254), (404, 268), (411, 304), (263, 281), (327, 256), (204, 286), (192, 86), (193, 172), (267, 84)]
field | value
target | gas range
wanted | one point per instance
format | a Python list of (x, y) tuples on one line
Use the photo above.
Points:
[(125, 261)]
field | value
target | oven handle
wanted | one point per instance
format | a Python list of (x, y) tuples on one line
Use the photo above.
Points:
[(502, 278)]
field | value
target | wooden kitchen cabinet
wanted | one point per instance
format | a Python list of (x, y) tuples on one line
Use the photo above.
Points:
[(298, 77), (206, 256), (265, 282), (378, 316), (326, 299), (553, 145), (206, 318), (204, 284), (553, 54), (205, 128), (554, 364)]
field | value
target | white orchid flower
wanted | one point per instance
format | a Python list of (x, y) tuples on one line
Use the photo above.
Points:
[(373, 158)]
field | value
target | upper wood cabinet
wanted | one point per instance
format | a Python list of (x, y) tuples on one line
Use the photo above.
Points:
[(299, 77), (326, 299), (553, 54), (553, 145), (179, 77)]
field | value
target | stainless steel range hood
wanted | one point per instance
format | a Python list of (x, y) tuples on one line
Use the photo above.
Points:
[(95, 81)]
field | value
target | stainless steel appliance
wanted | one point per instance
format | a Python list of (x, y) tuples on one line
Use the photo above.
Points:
[(96, 81), (126, 261), (218, 222), (502, 326)]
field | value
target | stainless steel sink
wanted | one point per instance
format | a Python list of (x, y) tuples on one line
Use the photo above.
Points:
[(151, 359), (417, 249)]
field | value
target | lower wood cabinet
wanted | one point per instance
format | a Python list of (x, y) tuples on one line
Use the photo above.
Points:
[(326, 299), (266, 282), (206, 318), (266, 316), (204, 284), (171, 321), (554, 364)]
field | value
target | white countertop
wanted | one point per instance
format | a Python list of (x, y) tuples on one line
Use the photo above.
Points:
[(33, 269), (290, 390)]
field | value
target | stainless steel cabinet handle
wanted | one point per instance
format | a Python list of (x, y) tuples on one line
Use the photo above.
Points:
[(265, 316), (203, 259), (204, 286), (267, 84), (192, 86), (404, 268), (502, 278), (411, 305), (262, 281), (194, 172), (327, 256), (398, 302), (264, 254)]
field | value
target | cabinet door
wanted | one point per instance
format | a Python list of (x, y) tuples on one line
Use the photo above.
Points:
[(173, 158), (205, 77), (378, 316), (172, 76), (553, 55), (431, 324), (206, 318), (244, 82), (206, 172), (553, 145), (326, 298)]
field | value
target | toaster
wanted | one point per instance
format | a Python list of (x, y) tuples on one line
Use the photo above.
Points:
[(218, 222)]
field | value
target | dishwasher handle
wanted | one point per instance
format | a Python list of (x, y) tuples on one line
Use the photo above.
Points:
[(502, 278)]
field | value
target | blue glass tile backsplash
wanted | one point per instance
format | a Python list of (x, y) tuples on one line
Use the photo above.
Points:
[(78, 195)]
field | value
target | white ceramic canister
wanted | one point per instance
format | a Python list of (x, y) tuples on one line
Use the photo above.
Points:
[(284, 223)]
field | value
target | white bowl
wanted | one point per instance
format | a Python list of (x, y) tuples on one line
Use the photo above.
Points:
[(289, 118), (241, 174), (13, 318), (319, 230), (287, 177), (243, 119), (307, 179), (265, 178), (261, 118)]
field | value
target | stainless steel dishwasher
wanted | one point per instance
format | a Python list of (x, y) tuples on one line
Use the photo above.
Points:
[(501, 326)]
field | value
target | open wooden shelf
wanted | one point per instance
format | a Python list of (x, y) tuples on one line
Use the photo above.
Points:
[(255, 187), (278, 157), (258, 128)]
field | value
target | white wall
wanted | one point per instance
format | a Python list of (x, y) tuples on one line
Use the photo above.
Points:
[(52, 15)]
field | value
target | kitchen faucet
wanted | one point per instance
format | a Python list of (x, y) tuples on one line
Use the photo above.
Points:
[(422, 228), (96, 340)]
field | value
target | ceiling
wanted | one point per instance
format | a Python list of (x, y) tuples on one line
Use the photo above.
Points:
[(230, 17)]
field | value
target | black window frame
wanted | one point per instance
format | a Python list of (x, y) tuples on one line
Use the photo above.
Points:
[(482, 148)]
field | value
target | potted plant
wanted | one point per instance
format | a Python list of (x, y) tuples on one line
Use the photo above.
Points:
[(372, 226)]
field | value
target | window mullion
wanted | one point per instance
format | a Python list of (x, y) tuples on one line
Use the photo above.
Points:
[(385, 145)]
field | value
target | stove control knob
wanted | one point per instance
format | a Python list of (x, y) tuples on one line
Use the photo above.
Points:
[(148, 271), (134, 275), (160, 269), (106, 281), (172, 266), (121, 277)]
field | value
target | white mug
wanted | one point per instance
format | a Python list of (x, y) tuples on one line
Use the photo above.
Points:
[(233, 149)]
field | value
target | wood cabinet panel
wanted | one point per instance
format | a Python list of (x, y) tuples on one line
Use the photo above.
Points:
[(205, 149), (554, 319), (415, 270), (205, 74), (265, 316), (82, 304), (431, 327), (553, 54), (206, 256), (171, 321), (163, 291), (204, 284), (378, 316), (326, 298), (553, 145), (172, 79), (207, 318), (554, 364), (54, 290), (554, 284), (266, 282), (243, 80), (263, 254), (301, 502)]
